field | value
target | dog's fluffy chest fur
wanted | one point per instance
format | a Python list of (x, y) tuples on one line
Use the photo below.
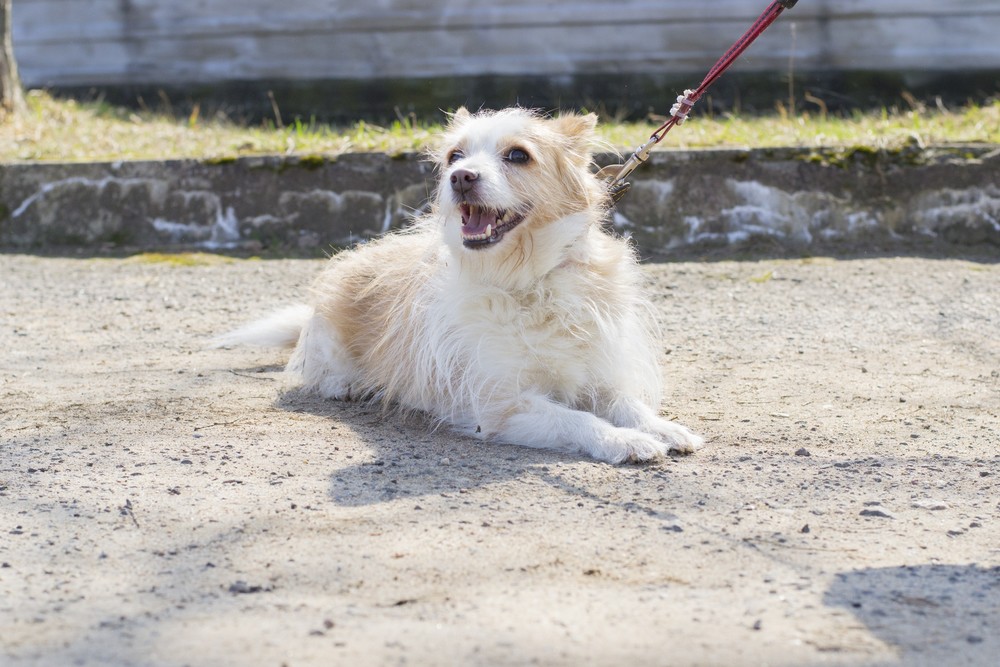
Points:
[(547, 336), (427, 332)]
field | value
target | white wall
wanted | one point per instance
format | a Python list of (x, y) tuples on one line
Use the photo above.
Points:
[(94, 42)]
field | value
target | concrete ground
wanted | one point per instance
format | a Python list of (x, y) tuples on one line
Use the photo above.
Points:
[(165, 504)]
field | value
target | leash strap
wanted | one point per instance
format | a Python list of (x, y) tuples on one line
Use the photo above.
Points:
[(617, 184)]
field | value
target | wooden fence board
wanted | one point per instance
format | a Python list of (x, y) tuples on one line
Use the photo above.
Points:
[(85, 42)]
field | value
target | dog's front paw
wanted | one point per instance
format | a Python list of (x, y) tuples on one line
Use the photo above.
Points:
[(334, 387), (678, 438), (629, 444)]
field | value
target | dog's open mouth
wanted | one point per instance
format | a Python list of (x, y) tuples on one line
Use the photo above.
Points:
[(483, 226)]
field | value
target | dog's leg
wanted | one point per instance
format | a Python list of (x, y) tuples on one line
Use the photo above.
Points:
[(537, 421), (630, 412), (322, 361)]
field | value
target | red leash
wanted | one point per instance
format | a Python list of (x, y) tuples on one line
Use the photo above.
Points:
[(679, 112)]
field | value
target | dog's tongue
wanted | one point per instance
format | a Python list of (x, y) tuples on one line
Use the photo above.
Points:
[(476, 219)]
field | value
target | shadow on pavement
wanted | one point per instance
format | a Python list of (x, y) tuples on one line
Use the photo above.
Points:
[(411, 456), (931, 613)]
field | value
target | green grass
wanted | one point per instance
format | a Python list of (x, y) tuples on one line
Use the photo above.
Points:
[(70, 131), (179, 259)]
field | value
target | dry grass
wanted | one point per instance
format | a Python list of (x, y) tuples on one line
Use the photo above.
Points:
[(69, 131), (883, 129)]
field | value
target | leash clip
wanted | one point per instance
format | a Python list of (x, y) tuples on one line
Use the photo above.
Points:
[(617, 186)]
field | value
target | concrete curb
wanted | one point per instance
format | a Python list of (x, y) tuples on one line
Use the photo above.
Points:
[(792, 198)]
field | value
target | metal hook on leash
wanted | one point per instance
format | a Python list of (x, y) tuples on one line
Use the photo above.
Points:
[(616, 174), (617, 185)]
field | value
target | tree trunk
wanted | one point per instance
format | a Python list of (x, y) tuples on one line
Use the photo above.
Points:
[(11, 95)]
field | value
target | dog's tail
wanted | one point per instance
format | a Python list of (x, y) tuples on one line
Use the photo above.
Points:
[(279, 329)]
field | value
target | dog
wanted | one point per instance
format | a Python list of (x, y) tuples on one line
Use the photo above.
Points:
[(506, 311)]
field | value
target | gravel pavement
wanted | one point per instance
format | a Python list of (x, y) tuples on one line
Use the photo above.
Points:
[(162, 503)]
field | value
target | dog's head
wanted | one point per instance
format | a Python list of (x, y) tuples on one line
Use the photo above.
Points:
[(508, 175)]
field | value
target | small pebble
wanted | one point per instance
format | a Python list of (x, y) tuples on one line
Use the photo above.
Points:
[(243, 588), (928, 504)]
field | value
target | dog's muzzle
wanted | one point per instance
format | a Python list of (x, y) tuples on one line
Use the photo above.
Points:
[(483, 226)]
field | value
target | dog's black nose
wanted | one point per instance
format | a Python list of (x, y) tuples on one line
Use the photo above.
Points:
[(463, 179)]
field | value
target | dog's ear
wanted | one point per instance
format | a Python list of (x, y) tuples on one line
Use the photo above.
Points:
[(578, 132), (578, 128), (460, 116)]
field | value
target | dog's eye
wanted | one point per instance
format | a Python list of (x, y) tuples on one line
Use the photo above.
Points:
[(517, 156), (455, 156)]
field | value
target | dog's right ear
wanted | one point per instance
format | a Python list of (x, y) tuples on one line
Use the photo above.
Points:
[(460, 116)]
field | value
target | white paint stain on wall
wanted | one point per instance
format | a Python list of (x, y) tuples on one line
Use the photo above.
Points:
[(751, 209), (970, 207), (156, 188)]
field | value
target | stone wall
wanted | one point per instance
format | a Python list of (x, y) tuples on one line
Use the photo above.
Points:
[(793, 199)]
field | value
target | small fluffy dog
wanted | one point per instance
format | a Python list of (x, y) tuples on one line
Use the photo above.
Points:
[(506, 311)]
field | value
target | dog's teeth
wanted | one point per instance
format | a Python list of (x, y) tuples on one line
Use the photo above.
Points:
[(489, 231)]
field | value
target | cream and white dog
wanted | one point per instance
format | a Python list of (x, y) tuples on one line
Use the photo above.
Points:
[(506, 312)]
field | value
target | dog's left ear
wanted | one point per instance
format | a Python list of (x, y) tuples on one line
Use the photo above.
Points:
[(579, 133), (578, 128)]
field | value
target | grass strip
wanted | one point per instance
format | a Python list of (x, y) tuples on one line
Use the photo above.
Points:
[(57, 130)]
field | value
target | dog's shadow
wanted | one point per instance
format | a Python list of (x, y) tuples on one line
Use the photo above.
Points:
[(409, 456)]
